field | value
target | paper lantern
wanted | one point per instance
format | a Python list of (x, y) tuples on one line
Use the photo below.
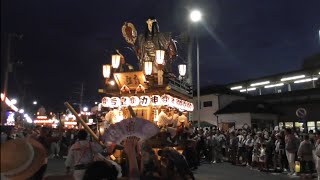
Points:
[(125, 101), (115, 59), (160, 56), (165, 99), (145, 100), (106, 102), (115, 102), (191, 107), (106, 70), (148, 67), (182, 69), (134, 101), (297, 167), (155, 100)]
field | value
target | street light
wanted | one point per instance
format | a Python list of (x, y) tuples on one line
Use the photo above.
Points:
[(35, 103), (85, 109), (14, 101), (195, 17)]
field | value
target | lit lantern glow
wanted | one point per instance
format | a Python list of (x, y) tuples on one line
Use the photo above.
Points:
[(165, 99), (125, 101), (106, 70), (106, 102), (145, 100), (182, 69), (160, 56), (115, 60), (155, 100), (115, 102), (134, 101), (148, 67)]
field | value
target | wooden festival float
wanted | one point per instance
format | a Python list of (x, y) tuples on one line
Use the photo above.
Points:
[(135, 97)]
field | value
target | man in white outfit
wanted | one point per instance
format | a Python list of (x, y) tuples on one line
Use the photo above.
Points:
[(80, 155), (163, 119)]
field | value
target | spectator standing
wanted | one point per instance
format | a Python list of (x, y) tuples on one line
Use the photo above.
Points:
[(305, 154), (291, 149)]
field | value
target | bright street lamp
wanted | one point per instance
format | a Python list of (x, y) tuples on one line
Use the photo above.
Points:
[(195, 16), (85, 109), (35, 103)]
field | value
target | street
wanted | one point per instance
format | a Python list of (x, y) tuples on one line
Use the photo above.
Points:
[(222, 171)]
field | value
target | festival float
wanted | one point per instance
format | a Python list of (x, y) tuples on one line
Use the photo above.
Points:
[(42, 119), (148, 101)]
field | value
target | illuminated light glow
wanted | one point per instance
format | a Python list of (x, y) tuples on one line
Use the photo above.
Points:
[(85, 109), (165, 99), (292, 78), (2, 97), (14, 101), (195, 15), (35, 102), (274, 85), (25, 115), (243, 90), (148, 67), (115, 102), (251, 89), (21, 111), (42, 117), (9, 103), (29, 120), (106, 102), (134, 101), (160, 56), (306, 80), (125, 101), (70, 123), (182, 69), (106, 70), (156, 100), (260, 83), (112, 83), (236, 87), (43, 121), (145, 100), (115, 59)]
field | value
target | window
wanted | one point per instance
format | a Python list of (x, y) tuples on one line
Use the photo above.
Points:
[(207, 104)]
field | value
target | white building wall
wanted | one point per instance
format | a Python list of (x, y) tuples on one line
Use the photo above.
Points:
[(218, 102), (238, 118), (206, 113)]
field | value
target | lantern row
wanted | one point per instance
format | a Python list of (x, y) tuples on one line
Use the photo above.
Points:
[(154, 100)]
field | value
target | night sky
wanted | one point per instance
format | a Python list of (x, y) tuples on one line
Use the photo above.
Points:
[(66, 42)]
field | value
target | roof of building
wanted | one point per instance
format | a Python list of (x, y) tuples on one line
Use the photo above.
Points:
[(247, 106), (218, 89), (276, 77)]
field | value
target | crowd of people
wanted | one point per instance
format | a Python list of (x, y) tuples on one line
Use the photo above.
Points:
[(278, 150)]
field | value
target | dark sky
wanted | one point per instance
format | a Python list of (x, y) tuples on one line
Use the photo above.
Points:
[(66, 42)]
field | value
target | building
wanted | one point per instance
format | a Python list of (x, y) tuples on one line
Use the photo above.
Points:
[(289, 99)]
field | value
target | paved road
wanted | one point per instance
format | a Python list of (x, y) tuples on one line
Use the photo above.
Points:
[(221, 171)]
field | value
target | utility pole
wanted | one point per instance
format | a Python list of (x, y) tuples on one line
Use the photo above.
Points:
[(81, 96)]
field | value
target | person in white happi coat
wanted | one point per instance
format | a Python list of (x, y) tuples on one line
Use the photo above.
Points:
[(183, 120), (81, 154), (163, 118), (175, 117), (109, 119)]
